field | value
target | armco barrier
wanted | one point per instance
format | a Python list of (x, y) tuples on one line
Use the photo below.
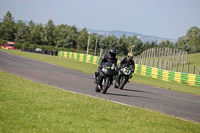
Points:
[(191, 79)]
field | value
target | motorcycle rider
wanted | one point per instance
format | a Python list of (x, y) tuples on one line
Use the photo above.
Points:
[(110, 57), (126, 60)]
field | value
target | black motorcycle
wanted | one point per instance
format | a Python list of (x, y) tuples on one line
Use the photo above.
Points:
[(125, 73), (105, 77)]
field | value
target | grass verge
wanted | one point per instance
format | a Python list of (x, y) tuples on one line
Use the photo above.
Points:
[(26, 106), (90, 69)]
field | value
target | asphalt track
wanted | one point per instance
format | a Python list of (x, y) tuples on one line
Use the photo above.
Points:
[(184, 106)]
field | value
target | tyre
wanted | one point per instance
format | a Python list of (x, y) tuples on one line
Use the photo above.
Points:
[(115, 84), (97, 88), (123, 81), (105, 85)]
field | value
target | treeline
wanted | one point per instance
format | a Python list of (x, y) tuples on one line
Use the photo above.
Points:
[(65, 37)]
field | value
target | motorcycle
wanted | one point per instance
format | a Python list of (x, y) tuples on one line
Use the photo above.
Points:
[(125, 73), (105, 77)]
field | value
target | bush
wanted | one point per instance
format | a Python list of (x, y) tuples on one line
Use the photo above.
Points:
[(26, 46), (33, 46), (18, 45)]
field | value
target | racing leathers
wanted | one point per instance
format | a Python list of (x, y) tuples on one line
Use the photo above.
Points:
[(105, 58), (128, 61)]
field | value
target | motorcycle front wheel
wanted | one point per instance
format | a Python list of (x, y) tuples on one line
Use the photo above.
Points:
[(123, 81), (105, 85)]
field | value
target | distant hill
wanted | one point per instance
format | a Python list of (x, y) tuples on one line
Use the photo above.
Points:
[(118, 34)]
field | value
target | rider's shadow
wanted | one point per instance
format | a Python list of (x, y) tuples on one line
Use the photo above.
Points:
[(124, 95), (139, 91)]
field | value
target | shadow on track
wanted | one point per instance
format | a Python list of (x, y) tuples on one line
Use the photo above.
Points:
[(139, 91), (123, 95)]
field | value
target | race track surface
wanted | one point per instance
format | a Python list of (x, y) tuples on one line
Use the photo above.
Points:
[(185, 106)]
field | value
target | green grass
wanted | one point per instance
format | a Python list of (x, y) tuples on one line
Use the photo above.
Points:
[(26, 106), (194, 59)]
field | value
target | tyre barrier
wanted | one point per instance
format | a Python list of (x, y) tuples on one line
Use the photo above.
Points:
[(48, 52), (165, 75)]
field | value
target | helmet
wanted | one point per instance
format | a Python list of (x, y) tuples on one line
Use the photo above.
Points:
[(130, 55), (113, 52)]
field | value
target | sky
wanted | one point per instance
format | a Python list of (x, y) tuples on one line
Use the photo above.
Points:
[(162, 18)]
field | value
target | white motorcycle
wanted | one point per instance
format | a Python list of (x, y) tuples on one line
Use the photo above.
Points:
[(125, 73)]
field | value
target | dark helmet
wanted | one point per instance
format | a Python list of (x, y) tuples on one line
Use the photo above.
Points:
[(113, 52)]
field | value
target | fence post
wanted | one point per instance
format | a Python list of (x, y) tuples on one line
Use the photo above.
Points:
[(149, 62), (157, 63), (159, 52), (171, 67), (153, 63), (166, 65), (199, 70), (162, 64), (174, 54), (177, 67), (154, 52), (182, 67), (148, 53), (194, 70), (145, 56), (139, 59), (188, 67), (187, 57), (182, 56), (178, 60)]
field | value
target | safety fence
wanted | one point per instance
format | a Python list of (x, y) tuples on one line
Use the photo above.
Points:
[(166, 75)]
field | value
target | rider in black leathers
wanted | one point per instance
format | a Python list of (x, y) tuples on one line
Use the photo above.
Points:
[(125, 60), (110, 57)]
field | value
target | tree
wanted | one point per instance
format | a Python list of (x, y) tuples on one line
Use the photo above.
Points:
[(72, 36), (7, 29), (60, 33), (166, 43), (20, 31), (48, 33), (36, 34), (83, 39), (190, 42), (109, 42), (65, 36), (123, 45), (93, 38), (193, 38), (138, 45), (146, 45)]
